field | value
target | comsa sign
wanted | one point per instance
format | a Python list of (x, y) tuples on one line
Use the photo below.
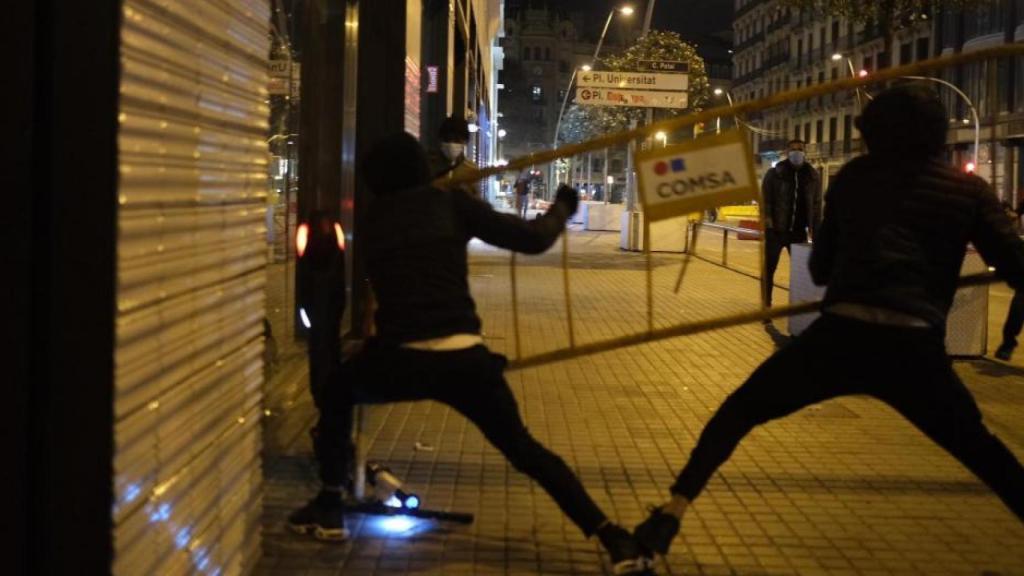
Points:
[(696, 175)]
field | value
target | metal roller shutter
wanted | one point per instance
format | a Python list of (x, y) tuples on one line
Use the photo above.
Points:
[(190, 300)]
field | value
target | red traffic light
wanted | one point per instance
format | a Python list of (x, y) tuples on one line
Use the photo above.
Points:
[(301, 239)]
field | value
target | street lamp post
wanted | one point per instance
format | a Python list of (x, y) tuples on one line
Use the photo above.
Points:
[(625, 11)]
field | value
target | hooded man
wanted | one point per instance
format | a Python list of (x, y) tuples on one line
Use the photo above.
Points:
[(890, 249), (428, 344)]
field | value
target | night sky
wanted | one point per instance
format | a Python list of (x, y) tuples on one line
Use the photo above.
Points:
[(691, 18), (695, 20)]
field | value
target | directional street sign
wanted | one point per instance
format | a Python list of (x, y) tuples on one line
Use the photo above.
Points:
[(634, 81), (664, 66), (636, 98), (696, 175)]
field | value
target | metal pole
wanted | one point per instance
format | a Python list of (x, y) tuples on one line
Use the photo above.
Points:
[(572, 79), (604, 179)]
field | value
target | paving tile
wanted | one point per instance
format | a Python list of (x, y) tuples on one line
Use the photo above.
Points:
[(849, 488)]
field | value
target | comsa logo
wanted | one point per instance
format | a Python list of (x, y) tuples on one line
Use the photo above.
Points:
[(685, 184)]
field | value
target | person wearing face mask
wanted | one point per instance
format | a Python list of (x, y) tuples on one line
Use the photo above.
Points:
[(791, 196), (449, 160)]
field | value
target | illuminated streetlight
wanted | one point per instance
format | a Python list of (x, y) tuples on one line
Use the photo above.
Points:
[(625, 10), (585, 68), (837, 57), (502, 133), (863, 73), (662, 137), (718, 91)]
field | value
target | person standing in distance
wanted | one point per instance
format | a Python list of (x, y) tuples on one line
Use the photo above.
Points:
[(791, 201), (449, 160), (889, 250)]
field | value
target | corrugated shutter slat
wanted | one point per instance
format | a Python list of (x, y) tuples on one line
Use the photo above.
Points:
[(191, 255)]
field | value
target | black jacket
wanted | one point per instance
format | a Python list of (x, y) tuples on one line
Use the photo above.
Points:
[(416, 257), (895, 237), (779, 194)]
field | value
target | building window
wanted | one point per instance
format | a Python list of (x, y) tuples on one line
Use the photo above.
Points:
[(526, 53), (547, 53), (536, 53), (561, 95), (563, 66), (832, 125), (536, 93), (819, 131), (847, 133), (807, 132), (922, 48), (905, 53), (796, 132)]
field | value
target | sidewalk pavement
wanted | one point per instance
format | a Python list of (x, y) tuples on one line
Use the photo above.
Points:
[(846, 487)]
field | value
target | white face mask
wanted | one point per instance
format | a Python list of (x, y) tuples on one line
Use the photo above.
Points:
[(796, 157), (452, 150)]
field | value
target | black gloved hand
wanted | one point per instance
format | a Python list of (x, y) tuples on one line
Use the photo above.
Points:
[(569, 196)]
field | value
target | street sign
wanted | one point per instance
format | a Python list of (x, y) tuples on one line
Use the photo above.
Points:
[(432, 79), (279, 71), (634, 81), (696, 175), (638, 98), (664, 66)]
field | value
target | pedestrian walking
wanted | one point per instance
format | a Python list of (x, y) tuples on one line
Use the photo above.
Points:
[(791, 198), (522, 197), (449, 160), (894, 235), (428, 344)]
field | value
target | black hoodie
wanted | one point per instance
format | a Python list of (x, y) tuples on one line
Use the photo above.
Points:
[(415, 241)]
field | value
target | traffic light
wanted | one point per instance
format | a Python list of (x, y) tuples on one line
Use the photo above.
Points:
[(969, 167)]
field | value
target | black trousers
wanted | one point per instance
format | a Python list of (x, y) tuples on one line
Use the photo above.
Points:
[(774, 242), (470, 381), (907, 368), (1014, 319)]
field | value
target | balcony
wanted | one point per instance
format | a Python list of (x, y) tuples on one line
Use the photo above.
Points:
[(753, 40), (869, 33), (747, 8), (779, 24), (776, 60), (773, 145)]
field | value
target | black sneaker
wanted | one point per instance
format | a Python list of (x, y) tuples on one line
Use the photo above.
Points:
[(627, 557), (1005, 351), (323, 517), (656, 533)]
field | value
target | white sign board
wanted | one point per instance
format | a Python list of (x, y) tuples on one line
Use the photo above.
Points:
[(638, 98), (696, 175), (634, 81)]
